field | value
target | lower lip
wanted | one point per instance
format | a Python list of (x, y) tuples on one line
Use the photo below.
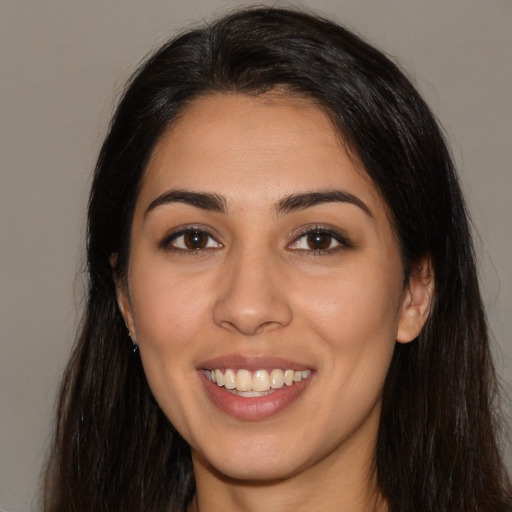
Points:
[(253, 408)]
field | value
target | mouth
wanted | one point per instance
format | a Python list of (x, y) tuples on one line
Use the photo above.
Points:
[(252, 384), (254, 388)]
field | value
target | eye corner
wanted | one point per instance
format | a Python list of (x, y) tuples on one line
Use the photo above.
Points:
[(319, 240), (191, 240)]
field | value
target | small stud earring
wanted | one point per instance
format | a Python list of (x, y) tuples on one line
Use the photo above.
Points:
[(135, 347)]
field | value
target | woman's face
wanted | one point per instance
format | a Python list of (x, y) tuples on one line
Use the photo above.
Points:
[(263, 256)]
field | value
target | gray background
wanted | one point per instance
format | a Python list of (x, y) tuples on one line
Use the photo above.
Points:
[(64, 62)]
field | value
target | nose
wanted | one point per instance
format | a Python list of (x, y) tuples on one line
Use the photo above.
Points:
[(252, 298)]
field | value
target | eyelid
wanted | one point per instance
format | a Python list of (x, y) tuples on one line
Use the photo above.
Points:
[(166, 242), (338, 235)]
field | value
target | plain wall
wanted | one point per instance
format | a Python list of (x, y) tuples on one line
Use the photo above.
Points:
[(64, 62)]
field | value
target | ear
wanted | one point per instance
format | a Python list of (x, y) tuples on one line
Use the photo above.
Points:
[(418, 296), (123, 298)]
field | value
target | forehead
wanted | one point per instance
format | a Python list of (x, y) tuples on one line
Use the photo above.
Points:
[(254, 150)]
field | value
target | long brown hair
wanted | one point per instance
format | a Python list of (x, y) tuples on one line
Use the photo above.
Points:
[(437, 446)]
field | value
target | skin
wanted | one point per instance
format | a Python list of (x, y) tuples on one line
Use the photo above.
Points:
[(258, 288)]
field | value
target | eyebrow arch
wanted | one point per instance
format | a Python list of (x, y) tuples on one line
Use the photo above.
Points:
[(306, 200), (203, 200)]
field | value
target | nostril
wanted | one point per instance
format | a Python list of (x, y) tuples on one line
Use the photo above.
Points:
[(248, 329), (251, 326), (267, 326)]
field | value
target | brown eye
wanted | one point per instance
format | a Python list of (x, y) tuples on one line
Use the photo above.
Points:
[(319, 241), (192, 240), (195, 240)]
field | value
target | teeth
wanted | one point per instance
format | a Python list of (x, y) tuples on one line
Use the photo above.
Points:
[(243, 380), (288, 377), (276, 379), (258, 383), (229, 379), (219, 378)]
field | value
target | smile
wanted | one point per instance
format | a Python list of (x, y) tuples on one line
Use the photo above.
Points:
[(243, 391), (243, 382)]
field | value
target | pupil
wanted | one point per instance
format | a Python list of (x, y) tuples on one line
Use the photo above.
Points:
[(195, 240), (319, 241)]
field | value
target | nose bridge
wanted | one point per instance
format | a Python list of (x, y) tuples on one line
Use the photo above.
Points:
[(252, 298)]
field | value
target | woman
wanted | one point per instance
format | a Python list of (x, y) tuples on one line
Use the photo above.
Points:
[(276, 224)]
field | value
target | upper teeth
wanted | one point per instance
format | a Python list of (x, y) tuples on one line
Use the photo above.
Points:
[(260, 380)]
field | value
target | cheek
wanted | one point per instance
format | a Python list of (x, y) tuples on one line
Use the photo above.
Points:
[(353, 309), (356, 321), (356, 329), (170, 313), (169, 309)]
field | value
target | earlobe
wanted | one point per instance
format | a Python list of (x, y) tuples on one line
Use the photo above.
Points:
[(123, 302), (123, 298), (417, 301)]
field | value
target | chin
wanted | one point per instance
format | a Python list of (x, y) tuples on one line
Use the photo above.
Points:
[(254, 470), (256, 460)]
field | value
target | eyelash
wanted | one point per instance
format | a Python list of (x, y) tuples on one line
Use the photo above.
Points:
[(167, 242), (342, 241)]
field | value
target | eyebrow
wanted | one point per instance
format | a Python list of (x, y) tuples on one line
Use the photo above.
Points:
[(306, 200), (202, 200), (295, 202)]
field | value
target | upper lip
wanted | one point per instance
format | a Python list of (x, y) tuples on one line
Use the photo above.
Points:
[(251, 363)]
